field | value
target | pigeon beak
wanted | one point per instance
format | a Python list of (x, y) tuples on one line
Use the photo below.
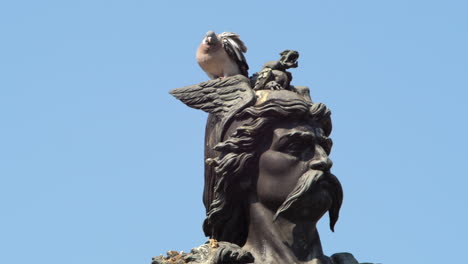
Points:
[(208, 40)]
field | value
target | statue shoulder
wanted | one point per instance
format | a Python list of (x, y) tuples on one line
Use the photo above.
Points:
[(345, 258), (212, 252)]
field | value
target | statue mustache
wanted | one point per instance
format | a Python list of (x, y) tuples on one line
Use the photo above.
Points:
[(306, 182)]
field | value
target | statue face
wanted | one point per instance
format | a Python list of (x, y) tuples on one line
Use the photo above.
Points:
[(296, 151)]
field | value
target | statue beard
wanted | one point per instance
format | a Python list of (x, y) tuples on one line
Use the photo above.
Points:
[(322, 187)]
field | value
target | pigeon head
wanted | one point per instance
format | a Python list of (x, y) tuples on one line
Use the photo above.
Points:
[(210, 38)]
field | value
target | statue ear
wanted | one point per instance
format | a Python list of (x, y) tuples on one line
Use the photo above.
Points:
[(221, 97)]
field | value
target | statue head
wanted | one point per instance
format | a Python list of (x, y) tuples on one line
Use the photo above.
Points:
[(275, 152)]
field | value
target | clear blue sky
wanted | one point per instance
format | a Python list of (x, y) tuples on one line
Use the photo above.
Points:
[(99, 164)]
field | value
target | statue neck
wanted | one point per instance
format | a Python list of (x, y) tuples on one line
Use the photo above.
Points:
[(282, 241)]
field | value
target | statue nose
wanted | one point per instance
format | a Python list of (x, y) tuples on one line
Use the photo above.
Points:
[(321, 161)]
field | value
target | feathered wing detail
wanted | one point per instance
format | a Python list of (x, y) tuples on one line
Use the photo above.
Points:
[(222, 97), (235, 48), (235, 38)]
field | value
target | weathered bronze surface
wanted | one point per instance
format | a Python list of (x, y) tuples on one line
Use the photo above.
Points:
[(267, 172)]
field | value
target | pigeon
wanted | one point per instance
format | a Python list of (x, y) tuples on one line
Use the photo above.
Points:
[(222, 55)]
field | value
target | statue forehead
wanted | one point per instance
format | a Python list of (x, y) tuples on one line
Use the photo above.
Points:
[(297, 126), (297, 122)]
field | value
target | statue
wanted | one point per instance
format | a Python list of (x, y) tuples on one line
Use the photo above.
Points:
[(274, 76), (267, 172)]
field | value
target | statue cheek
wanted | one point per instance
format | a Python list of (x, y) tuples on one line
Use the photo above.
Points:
[(278, 174), (277, 163)]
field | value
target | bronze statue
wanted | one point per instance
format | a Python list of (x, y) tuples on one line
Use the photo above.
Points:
[(267, 174), (274, 76)]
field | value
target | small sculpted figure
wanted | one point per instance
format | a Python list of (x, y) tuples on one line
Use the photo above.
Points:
[(274, 74), (222, 55)]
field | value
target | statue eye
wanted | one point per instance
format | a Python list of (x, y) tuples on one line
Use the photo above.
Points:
[(296, 148)]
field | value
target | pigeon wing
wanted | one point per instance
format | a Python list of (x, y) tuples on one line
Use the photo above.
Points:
[(235, 48)]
